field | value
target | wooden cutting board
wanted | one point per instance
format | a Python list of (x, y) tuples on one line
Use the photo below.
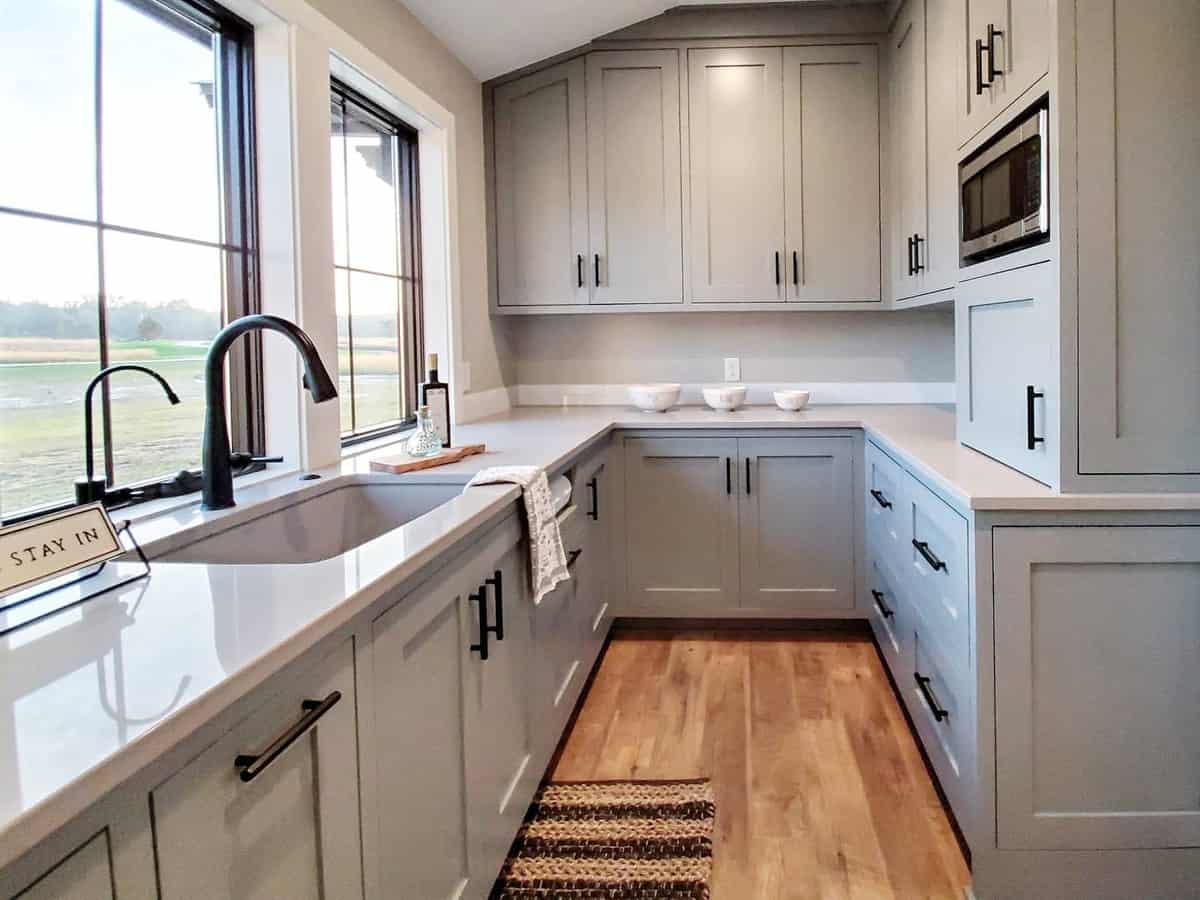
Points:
[(398, 465)]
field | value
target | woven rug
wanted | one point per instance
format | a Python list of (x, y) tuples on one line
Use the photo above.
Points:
[(613, 840)]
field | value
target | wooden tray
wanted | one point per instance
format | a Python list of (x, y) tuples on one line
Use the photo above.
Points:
[(398, 465)]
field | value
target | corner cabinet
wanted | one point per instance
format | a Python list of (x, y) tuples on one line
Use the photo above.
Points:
[(736, 525)]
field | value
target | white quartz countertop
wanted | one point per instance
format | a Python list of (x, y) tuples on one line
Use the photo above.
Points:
[(92, 695)]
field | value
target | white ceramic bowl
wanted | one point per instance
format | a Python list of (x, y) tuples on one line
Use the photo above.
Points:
[(727, 397), (654, 397), (791, 401)]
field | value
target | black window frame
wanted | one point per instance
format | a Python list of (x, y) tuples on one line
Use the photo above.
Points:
[(233, 45), (411, 332)]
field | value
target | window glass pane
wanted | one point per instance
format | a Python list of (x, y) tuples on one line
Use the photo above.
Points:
[(371, 205), (49, 349), (341, 280), (337, 157), (375, 301), (160, 163), (164, 307), (47, 105)]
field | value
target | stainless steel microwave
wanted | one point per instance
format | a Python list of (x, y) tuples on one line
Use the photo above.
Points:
[(1004, 190)]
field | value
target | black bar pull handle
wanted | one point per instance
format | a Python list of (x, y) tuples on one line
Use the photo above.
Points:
[(573, 557), (777, 267), (728, 477), (497, 585), (747, 476), (482, 647), (251, 765), (927, 554), (796, 268), (883, 607), (993, 73), (979, 85), (596, 265), (931, 701), (1032, 440), (917, 241), (910, 255), (594, 512), (881, 499), (579, 269)]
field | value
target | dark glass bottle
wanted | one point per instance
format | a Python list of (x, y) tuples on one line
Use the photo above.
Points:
[(436, 395)]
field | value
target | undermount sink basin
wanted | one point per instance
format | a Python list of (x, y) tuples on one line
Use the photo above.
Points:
[(319, 525)]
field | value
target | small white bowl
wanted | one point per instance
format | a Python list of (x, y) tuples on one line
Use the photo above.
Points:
[(654, 397), (726, 398), (791, 401)]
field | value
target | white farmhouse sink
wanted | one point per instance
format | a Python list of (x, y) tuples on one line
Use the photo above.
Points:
[(318, 525)]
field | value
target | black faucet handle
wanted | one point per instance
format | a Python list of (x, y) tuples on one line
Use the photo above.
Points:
[(240, 459)]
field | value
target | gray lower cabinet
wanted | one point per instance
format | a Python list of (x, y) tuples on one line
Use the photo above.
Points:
[(594, 499), (86, 874), (271, 808), (720, 524), (1097, 687)]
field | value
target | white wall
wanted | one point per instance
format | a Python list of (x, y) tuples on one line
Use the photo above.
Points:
[(391, 32), (914, 346)]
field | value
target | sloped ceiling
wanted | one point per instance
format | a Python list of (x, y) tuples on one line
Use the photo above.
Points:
[(493, 37)]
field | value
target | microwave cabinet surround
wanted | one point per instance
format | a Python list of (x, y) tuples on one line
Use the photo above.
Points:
[(629, 180)]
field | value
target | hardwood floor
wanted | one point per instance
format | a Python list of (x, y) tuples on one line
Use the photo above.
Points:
[(821, 790)]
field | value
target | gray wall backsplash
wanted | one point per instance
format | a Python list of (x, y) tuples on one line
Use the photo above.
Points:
[(916, 346)]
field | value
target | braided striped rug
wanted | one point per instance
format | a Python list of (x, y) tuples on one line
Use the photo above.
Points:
[(613, 840)]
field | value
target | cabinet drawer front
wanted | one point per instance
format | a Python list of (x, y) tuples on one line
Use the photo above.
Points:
[(937, 574), (891, 618), (885, 506), (939, 702)]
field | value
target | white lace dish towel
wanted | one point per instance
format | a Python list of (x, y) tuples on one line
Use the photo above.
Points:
[(547, 559)]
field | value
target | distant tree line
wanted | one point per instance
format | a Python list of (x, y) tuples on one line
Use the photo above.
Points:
[(174, 320)]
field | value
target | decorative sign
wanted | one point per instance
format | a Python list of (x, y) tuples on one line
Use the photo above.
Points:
[(55, 544)]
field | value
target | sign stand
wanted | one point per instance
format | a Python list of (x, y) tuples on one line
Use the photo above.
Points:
[(122, 529)]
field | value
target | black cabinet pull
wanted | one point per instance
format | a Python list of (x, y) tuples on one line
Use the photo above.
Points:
[(796, 268), (251, 765), (594, 512), (883, 607), (573, 557), (917, 241), (930, 700), (993, 73), (1032, 440), (497, 585), (579, 269), (923, 549), (482, 647), (728, 477), (979, 85), (881, 499), (596, 264), (777, 267), (747, 476), (910, 255)]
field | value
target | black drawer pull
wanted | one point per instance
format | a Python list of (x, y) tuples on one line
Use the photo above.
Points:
[(482, 647), (728, 477), (1032, 440), (923, 549), (796, 268), (747, 476), (930, 700), (883, 607), (777, 267), (881, 499), (251, 765), (573, 557), (596, 260), (579, 269), (497, 585), (594, 487)]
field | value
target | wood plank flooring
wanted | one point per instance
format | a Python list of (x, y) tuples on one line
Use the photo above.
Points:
[(821, 791)]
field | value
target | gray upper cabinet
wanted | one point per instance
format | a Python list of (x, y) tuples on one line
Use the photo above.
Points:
[(635, 214), (795, 522), (541, 188), (831, 172), (681, 532), (1007, 50), (906, 147), (1139, 230), (737, 185), (1097, 687)]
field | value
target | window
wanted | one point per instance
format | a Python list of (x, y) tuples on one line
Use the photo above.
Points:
[(126, 235), (374, 163)]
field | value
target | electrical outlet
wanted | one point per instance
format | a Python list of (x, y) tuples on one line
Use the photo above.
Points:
[(733, 368)]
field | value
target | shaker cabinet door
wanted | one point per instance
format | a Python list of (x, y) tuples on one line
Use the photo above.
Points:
[(1007, 49), (635, 210), (736, 155), (907, 200), (541, 188)]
